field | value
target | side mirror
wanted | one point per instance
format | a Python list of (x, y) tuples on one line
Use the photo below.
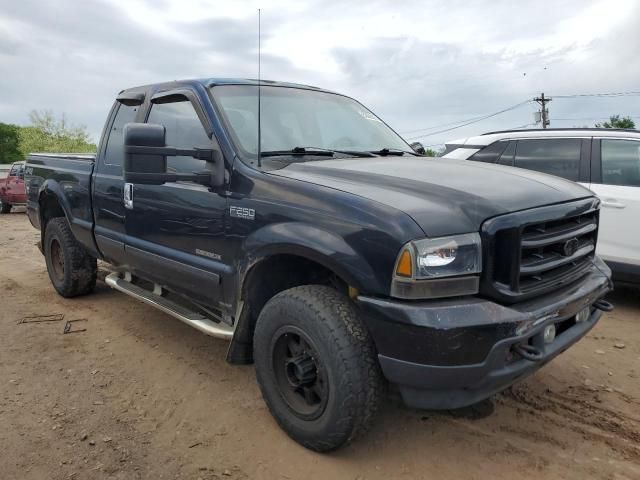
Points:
[(149, 167), (145, 158), (418, 148)]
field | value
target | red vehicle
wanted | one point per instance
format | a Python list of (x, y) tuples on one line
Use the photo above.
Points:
[(12, 190)]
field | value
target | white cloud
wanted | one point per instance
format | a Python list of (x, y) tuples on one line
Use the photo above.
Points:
[(416, 63)]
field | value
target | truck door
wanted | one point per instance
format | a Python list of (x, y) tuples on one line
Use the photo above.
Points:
[(175, 232), (15, 184), (108, 185), (616, 180)]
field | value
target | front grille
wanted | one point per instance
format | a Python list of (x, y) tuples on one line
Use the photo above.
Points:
[(531, 252), (551, 250)]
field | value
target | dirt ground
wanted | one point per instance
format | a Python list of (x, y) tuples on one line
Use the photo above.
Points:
[(141, 395)]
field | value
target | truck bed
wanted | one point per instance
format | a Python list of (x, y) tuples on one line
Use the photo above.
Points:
[(68, 175)]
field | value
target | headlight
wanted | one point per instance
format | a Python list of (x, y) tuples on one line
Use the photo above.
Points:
[(438, 267), (447, 256)]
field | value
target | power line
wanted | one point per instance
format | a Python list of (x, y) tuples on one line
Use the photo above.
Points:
[(442, 125), (522, 126), (610, 94), (589, 118), (469, 122)]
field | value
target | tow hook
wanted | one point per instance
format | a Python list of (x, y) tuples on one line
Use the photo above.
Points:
[(528, 352), (603, 305)]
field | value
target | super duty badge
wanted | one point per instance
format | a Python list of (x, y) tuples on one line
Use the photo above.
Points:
[(242, 212)]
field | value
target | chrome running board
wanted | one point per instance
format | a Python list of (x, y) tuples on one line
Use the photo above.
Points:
[(196, 320)]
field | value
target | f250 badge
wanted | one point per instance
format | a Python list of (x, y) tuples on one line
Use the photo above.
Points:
[(242, 212)]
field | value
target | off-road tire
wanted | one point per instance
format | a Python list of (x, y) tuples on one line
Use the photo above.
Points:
[(346, 356), (75, 271), (5, 207)]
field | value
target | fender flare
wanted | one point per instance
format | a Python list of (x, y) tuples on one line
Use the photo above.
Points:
[(299, 239), (52, 188), (307, 241), (82, 230)]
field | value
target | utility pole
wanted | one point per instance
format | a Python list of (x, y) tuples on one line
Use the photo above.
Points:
[(544, 111)]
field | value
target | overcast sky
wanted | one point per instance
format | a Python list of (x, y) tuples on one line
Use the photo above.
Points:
[(417, 64)]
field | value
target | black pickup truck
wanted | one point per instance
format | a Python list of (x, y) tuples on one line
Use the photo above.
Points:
[(323, 247)]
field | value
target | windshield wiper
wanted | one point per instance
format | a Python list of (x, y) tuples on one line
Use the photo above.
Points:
[(324, 152), (298, 151), (355, 153), (383, 152)]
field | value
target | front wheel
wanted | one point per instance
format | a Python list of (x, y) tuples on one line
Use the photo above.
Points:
[(5, 207), (71, 269), (316, 366)]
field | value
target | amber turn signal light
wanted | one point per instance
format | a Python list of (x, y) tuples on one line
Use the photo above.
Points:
[(405, 267)]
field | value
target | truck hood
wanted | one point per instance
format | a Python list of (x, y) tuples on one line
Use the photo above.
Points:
[(443, 196)]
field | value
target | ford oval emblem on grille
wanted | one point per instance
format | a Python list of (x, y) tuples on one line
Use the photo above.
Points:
[(570, 247)]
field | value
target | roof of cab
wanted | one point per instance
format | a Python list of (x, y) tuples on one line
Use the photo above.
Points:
[(210, 82)]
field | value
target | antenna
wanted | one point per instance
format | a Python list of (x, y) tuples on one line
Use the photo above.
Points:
[(259, 102)]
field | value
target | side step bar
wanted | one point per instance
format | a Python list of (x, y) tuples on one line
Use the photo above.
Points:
[(195, 319)]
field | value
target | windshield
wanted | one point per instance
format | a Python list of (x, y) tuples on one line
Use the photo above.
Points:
[(294, 117)]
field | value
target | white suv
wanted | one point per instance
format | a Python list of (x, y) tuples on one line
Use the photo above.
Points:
[(605, 160)]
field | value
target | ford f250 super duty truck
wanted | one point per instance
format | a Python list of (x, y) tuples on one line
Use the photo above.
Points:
[(323, 248)]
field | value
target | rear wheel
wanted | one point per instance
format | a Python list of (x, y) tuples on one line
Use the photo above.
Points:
[(71, 269), (5, 207), (316, 366)]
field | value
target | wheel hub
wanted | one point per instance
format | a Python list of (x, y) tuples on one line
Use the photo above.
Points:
[(301, 371), (57, 259)]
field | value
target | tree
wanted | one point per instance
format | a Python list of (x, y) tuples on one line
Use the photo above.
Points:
[(616, 122), (9, 143), (48, 134), (430, 152), (425, 152)]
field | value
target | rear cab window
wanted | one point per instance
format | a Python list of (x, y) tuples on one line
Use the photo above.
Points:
[(17, 170), (114, 151)]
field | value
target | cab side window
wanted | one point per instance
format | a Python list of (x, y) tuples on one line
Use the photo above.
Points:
[(183, 130), (555, 156), (114, 153), (620, 162)]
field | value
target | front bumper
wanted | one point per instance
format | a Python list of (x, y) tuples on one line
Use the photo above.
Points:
[(452, 353)]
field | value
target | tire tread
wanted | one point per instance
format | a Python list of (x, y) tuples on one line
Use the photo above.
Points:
[(361, 379), (84, 268)]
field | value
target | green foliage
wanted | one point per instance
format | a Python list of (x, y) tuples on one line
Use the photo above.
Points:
[(48, 134), (427, 152), (9, 143), (616, 122), (430, 152), (45, 134)]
